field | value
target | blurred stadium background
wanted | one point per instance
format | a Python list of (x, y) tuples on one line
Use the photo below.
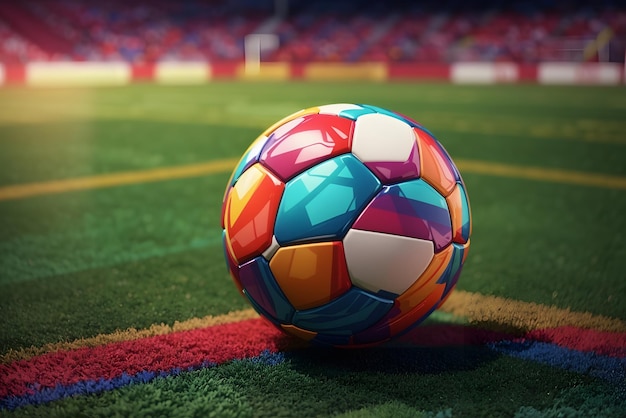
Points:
[(116, 42)]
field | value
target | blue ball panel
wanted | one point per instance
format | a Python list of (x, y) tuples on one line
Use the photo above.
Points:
[(420, 191), (225, 250), (324, 201), (382, 332), (355, 113), (261, 287), (387, 112), (266, 315), (451, 275), (352, 312), (250, 158), (465, 228)]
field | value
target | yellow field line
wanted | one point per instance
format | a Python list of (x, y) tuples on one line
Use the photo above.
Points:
[(488, 312), (21, 191), (523, 316), (542, 174)]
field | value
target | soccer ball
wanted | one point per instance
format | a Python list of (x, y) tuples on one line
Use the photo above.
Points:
[(345, 224)]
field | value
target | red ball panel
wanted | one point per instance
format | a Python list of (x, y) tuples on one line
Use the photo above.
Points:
[(250, 212), (306, 141)]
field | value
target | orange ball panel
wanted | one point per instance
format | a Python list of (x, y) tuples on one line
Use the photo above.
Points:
[(427, 281), (455, 206), (420, 311), (418, 299), (311, 274), (435, 168), (465, 253), (299, 332), (251, 209)]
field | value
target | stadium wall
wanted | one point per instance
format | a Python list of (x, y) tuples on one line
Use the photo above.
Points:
[(63, 74)]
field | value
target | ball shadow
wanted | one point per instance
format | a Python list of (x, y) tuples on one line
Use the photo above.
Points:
[(427, 349)]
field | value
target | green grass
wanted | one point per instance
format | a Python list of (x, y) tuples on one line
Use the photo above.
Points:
[(322, 384), (82, 263), (545, 242), (142, 126)]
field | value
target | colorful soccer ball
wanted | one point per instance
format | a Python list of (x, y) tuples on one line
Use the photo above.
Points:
[(345, 224)]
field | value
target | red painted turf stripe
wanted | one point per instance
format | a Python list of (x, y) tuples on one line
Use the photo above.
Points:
[(160, 353), (605, 343), (612, 344), (246, 339)]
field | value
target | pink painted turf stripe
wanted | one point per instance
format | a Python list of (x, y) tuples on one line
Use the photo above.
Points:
[(244, 339)]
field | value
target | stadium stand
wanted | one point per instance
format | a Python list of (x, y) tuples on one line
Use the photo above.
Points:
[(328, 31)]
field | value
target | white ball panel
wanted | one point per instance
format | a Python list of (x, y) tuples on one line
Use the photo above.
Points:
[(378, 261), (271, 250), (379, 137), (335, 109)]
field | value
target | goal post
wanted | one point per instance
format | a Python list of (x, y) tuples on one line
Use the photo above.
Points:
[(254, 45)]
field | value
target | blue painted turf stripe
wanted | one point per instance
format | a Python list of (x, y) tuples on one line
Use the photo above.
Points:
[(610, 369), (607, 368), (103, 385)]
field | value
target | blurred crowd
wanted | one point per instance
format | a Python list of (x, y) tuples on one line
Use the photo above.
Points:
[(343, 31)]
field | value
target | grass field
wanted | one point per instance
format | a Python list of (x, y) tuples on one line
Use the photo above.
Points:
[(109, 220)]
